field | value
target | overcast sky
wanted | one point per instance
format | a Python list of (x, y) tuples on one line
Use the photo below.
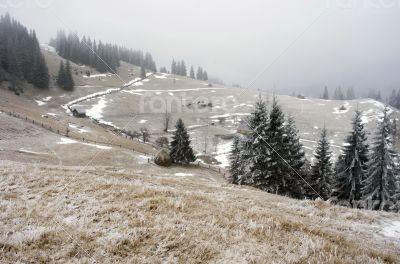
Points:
[(290, 45)]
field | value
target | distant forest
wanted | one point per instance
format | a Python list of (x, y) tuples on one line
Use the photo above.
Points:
[(97, 54), (20, 55)]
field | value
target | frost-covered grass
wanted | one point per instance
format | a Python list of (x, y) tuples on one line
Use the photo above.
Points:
[(110, 215)]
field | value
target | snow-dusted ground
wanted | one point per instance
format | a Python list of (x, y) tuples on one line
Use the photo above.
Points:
[(114, 215), (66, 141), (391, 229), (223, 152)]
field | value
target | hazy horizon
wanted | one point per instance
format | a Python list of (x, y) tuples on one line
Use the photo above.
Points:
[(291, 46)]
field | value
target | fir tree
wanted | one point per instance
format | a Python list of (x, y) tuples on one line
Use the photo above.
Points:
[(199, 75), (61, 75), (20, 54), (325, 95), (205, 76), (142, 72), (256, 152), (68, 81), (352, 169), (235, 161), (183, 70), (321, 171), (181, 151), (277, 167), (294, 155), (192, 73), (379, 187), (173, 67)]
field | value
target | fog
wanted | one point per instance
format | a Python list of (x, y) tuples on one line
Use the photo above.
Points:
[(281, 45)]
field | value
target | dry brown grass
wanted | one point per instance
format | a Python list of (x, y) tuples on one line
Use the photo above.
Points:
[(124, 217)]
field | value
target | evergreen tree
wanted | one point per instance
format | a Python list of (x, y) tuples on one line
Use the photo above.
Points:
[(192, 73), (379, 187), (68, 81), (352, 168), (142, 72), (40, 73), (321, 171), (88, 52), (20, 55), (350, 95), (199, 75), (325, 95), (61, 75), (205, 76), (174, 67), (295, 158), (183, 70), (275, 139), (255, 150), (235, 161), (181, 151)]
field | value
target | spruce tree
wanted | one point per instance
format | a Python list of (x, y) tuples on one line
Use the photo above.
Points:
[(183, 70), (256, 152), (181, 151), (142, 72), (199, 75), (235, 161), (68, 81), (40, 73), (325, 95), (352, 169), (205, 76), (278, 169), (173, 67), (321, 171), (61, 75), (295, 158), (379, 187), (192, 73)]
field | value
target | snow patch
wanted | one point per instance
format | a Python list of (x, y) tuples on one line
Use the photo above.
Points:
[(179, 174), (66, 141), (392, 230)]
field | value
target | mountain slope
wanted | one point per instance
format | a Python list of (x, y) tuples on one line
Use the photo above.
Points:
[(53, 213)]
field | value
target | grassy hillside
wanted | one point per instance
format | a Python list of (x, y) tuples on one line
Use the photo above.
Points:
[(62, 215)]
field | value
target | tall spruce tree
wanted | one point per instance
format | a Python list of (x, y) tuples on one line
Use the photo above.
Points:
[(142, 72), (325, 95), (235, 161), (256, 152), (352, 169), (199, 75), (69, 81), (20, 55), (192, 73), (295, 158), (61, 75), (181, 151), (321, 172), (278, 169), (379, 187)]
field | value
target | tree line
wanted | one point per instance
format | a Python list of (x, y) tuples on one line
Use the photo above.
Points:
[(394, 99), (349, 94), (104, 57), (339, 94), (20, 55), (271, 157), (179, 68)]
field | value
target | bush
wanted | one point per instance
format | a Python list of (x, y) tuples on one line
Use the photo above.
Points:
[(162, 142)]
